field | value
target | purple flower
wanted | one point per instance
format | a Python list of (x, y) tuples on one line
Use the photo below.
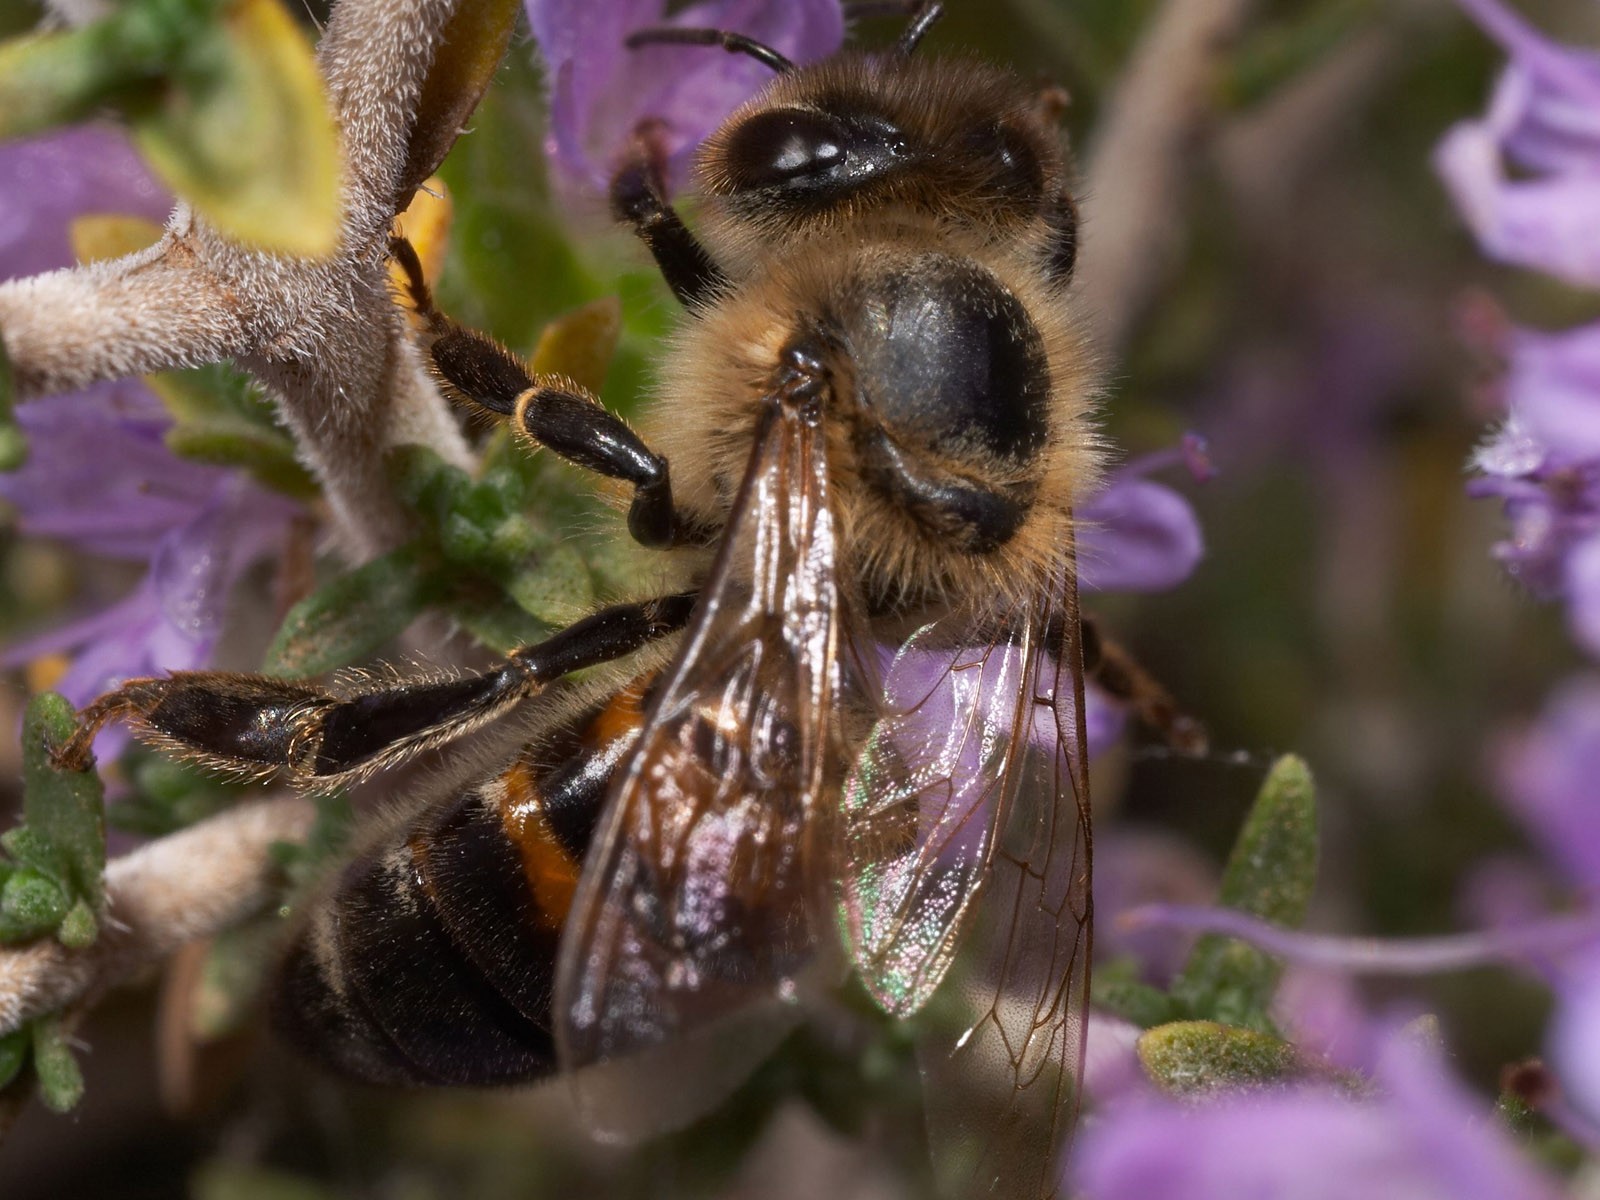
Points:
[(1420, 1136), (601, 92), (1551, 780), (1527, 180), (1139, 536), (1551, 502), (1134, 867), (1526, 177), (47, 181), (99, 475), (199, 527)]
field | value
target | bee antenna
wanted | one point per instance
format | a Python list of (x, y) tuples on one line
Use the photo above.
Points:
[(923, 18), (733, 43)]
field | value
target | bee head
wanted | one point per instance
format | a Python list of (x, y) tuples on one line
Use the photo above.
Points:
[(859, 134)]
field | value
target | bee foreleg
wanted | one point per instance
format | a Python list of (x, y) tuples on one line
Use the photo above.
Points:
[(636, 200), (1110, 665), (255, 724)]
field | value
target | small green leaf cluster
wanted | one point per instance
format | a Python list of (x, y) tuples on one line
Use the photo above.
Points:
[(222, 418), (55, 1070), (52, 875), (52, 883), (1212, 1028), (491, 552)]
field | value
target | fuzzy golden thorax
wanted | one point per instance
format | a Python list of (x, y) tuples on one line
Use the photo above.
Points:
[(891, 559)]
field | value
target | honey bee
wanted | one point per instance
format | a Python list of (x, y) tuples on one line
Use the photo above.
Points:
[(852, 734)]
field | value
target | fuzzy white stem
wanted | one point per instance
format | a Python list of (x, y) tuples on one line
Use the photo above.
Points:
[(186, 886), (1141, 157), (324, 335)]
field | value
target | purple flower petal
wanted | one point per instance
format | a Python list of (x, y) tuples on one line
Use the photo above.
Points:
[(1135, 867), (1544, 119), (1103, 718), (1550, 782), (600, 92), (1423, 1139), (172, 620), (46, 181), (1111, 1070), (1573, 1038), (1583, 592), (121, 499), (1553, 387), (1137, 536)]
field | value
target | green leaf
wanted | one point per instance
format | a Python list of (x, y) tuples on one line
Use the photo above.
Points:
[(350, 618), (557, 587), (14, 1054), (79, 928), (60, 1081), (13, 446), (470, 49), (1190, 1058), (56, 78), (246, 135), (302, 862), (580, 344), (1270, 874), (502, 626), (222, 417), (1117, 990), (64, 810), (270, 459), (31, 905), (428, 485), (167, 795)]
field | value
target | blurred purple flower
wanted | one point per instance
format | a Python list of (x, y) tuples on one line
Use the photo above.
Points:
[(601, 92), (1526, 177), (1551, 780), (1135, 867), (1420, 1136), (1139, 536), (1527, 180), (99, 475), (1552, 502), (47, 181)]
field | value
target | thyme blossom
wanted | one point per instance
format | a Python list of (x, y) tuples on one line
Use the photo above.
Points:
[(99, 476), (602, 93)]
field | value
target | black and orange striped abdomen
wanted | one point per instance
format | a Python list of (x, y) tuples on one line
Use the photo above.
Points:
[(433, 961)]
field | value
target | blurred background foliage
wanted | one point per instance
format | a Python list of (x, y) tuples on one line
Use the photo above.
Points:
[(1317, 328)]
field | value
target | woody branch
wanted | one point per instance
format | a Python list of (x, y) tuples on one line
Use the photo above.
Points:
[(323, 335)]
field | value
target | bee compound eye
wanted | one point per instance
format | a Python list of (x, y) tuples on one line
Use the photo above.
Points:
[(779, 147)]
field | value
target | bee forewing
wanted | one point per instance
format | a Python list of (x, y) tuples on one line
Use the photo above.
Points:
[(697, 914)]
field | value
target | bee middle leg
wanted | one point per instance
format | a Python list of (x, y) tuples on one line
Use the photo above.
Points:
[(255, 724)]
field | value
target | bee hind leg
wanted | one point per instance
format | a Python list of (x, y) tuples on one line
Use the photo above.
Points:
[(256, 725)]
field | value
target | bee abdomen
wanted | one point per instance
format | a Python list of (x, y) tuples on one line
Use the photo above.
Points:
[(434, 961), (380, 990)]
